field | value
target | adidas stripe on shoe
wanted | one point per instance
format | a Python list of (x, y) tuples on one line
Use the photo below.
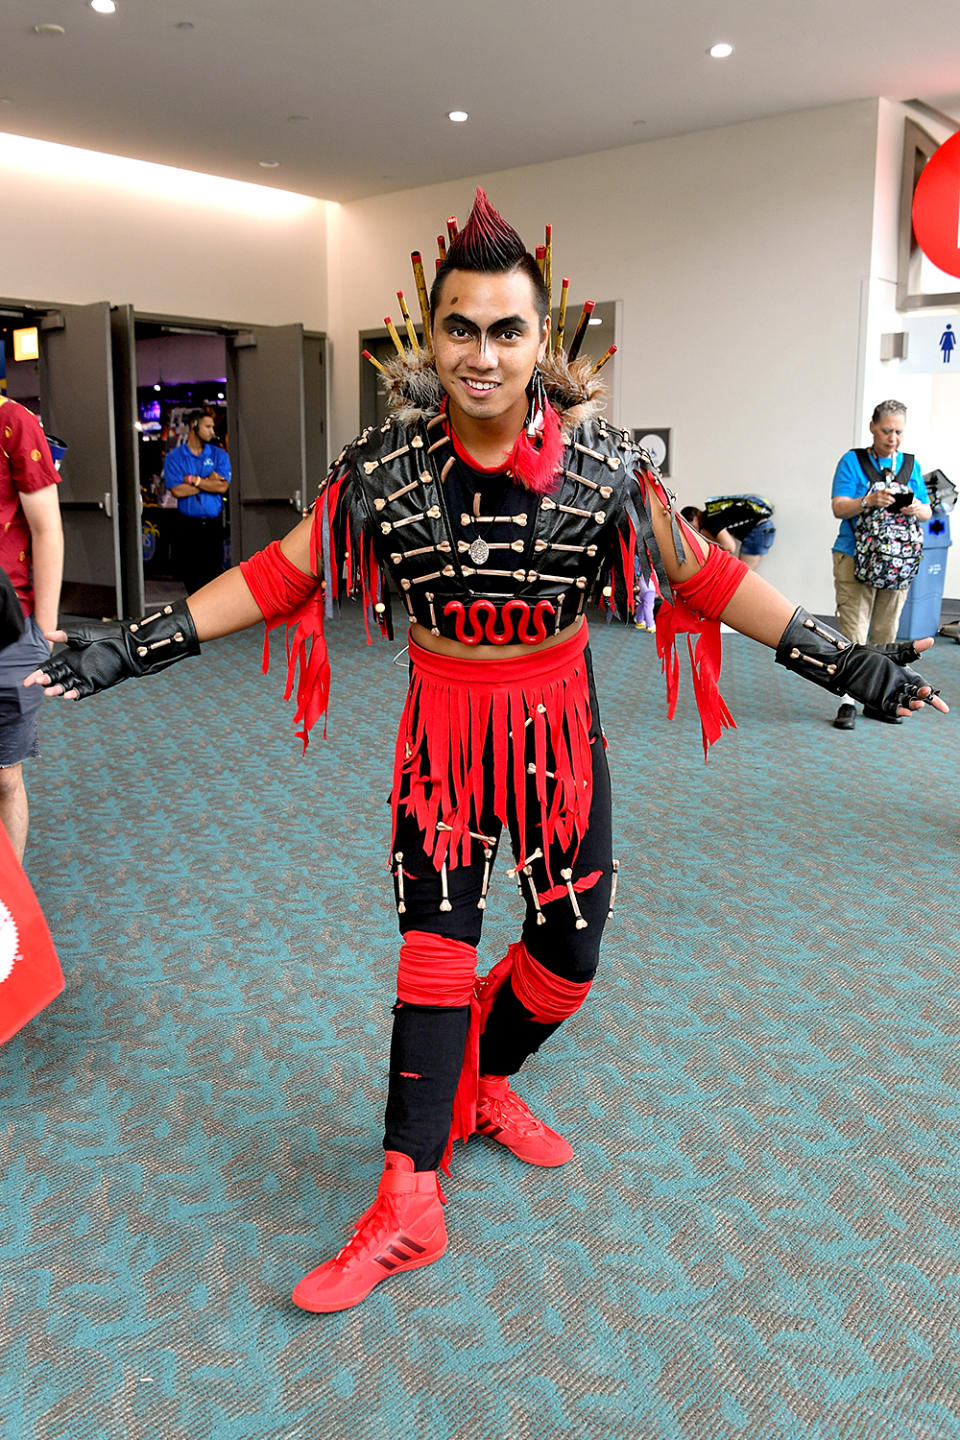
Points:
[(503, 1116), (403, 1229)]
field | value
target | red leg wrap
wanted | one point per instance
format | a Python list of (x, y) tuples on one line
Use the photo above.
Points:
[(436, 971), (545, 995)]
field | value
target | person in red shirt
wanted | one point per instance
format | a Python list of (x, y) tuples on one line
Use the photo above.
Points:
[(31, 553)]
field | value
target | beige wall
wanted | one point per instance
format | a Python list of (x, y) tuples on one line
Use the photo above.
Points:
[(161, 241), (738, 255), (739, 258)]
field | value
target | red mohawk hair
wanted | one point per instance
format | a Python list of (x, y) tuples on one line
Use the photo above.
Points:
[(488, 245)]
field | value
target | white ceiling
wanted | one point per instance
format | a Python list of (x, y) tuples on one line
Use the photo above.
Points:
[(351, 96)]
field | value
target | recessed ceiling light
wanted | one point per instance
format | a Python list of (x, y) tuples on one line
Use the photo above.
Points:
[(103, 7), (269, 164), (594, 320), (46, 28), (458, 116), (720, 51)]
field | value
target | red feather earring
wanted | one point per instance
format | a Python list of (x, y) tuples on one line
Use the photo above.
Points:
[(538, 449)]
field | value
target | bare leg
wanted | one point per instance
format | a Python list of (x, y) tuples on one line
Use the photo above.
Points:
[(14, 813)]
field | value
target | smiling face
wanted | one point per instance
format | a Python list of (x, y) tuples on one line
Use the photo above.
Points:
[(887, 434), (487, 337)]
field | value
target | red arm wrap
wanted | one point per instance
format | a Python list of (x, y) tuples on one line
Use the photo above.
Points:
[(286, 595), (709, 592), (275, 582)]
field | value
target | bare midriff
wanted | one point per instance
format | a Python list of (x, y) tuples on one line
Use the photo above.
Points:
[(440, 645)]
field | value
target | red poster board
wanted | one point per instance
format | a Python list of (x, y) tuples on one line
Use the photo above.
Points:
[(30, 974), (936, 207)]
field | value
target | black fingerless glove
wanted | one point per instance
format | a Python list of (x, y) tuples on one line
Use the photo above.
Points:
[(879, 676), (97, 657)]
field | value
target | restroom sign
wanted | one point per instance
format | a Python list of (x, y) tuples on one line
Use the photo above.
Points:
[(936, 207), (932, 345)]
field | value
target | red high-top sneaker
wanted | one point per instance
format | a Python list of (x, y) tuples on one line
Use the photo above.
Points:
[(403, 1229), (503, 1116)]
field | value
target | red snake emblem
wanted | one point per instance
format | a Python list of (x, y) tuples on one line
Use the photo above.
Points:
[(489, 633)]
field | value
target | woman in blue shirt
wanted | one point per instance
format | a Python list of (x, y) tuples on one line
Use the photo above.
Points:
[(862, 482)]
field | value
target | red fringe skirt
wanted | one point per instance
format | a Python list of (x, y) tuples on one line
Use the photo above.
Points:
[(469, 734)]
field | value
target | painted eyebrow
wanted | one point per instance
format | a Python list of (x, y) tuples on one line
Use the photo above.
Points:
[(509, 322)]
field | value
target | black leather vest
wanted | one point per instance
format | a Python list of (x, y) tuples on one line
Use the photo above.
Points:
[(557, 550)]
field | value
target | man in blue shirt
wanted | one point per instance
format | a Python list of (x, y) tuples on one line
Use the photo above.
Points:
[(198, 475), (864, 612)]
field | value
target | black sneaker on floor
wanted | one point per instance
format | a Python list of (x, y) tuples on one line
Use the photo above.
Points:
[(870, 714), (846, 717)]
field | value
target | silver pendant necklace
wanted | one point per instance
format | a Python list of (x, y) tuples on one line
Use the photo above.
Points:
[(478, 550)]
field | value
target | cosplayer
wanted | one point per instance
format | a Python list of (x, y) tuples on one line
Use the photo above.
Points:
[(494, 504)]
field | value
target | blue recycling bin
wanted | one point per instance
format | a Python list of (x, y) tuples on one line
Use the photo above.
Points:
[(921, 613)]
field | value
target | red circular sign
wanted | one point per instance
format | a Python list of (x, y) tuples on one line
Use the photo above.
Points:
[(936, 207)]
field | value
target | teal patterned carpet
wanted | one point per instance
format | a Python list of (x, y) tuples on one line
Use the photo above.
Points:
[(758, 1237)]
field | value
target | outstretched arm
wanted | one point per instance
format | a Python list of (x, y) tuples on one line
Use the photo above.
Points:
[(98, 657), (756, 609), (226, 604)]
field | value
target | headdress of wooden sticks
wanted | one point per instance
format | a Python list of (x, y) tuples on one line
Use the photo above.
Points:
[(544, 258)]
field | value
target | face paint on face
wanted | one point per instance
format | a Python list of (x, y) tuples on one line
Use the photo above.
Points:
[(487, 337)]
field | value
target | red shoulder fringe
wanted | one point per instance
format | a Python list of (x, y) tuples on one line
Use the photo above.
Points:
[(345, 565), (694, 610)]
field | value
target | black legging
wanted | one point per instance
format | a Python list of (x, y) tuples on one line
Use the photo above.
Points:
[(428, 1041)]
